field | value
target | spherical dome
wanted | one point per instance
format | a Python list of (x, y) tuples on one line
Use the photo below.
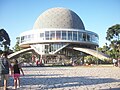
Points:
[(59, 18)]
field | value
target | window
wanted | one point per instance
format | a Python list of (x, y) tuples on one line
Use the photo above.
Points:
[(95, 38), (88, 37), (69, 35), (41, 35), (79, 36), (84, 36), (22, 39), (74, 35), (58, 35), (52, 35), (47, 35), (63, 35)]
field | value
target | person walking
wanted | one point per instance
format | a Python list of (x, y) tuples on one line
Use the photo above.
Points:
[(16, 70), (5, 65)]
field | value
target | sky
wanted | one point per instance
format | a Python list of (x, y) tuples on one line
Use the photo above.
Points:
[(17, 16)]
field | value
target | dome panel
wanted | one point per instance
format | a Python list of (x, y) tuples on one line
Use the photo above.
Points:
[(59, 18)]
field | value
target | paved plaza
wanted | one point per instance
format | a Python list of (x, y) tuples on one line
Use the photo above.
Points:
[(69, 78)]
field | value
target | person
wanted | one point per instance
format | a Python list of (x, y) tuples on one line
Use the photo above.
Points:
[(119, 62), (115, 62), (0, 70), (5, 65), (16, 70)]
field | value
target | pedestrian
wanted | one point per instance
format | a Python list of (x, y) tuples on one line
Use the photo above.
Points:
[(0, 69), (5, 65), (119, 62), (16, 73), (115, 62)]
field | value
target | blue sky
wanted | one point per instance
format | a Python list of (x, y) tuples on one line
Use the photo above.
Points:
[(17, 16)]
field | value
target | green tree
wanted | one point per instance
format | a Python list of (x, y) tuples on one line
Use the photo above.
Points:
[(105, 49), (90, 59), (17, 47), (113, 35), (26, 57), (4, 39)]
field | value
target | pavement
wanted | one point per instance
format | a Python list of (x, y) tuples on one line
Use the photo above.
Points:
[(69, 78)]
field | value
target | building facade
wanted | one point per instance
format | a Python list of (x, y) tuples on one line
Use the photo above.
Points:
[(55, 33)]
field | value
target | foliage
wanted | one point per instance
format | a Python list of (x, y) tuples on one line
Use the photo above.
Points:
[(90, 59), (113, 35), (17, 47), (4, 39), (94, 60), (26, 57)]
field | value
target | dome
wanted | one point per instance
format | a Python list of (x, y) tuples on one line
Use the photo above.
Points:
[(59, 18)]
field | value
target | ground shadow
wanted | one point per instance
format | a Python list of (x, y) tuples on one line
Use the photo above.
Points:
[(54, 81), (42, 75)]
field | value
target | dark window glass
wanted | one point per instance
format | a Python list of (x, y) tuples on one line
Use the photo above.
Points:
[(69, 35), (95, 38), (84, 36), (58, 35), (47, 35), (52, 35), (88, 37), (79, 36), (74, 35), (63, 35)]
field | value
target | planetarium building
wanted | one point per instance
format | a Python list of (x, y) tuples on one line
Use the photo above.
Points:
[(56, 33)]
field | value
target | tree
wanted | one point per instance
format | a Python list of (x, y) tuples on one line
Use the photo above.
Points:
[(113, 35), (17, 47), (26, 57), (4, 39)]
